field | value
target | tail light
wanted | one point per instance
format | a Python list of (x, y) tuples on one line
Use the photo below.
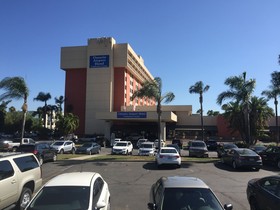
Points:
[(35, 152)]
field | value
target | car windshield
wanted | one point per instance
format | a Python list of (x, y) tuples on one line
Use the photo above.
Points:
[(190, 198), (87, 145), (146, 146), (246, 152), (229, 146), (58, 143), (121, 144), (61, 197), (198, 144), (168, 150)]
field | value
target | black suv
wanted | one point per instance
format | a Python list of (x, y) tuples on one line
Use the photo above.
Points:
[(41, 150)]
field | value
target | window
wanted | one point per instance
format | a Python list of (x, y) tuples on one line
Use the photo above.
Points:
[(6, 170), (97, 189), (26, 163), (271, 185)]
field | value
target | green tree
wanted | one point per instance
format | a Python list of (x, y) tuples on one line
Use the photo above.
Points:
[(39, 112), (16, 88), (199, 88), (213, 113), (241, 92), (272, 93), (43, 97), (3, 112), (153, 90), (59, 101), (67, 124)]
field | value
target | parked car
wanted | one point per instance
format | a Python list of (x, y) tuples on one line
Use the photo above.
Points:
[(89, 148), (242, 157), (179, 142), (64, 146), (76, 190), (264, 193), (224, 147), (176, 146), (258, 148), (211, 145), (157, 143), (168, 156), (140, 141), (197, 148), (20, 177), (182, 192), (147, 148), (41, 150), (123, 148), (271, 155)]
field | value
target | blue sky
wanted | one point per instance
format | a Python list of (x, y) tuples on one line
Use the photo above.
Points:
[(181, 41)]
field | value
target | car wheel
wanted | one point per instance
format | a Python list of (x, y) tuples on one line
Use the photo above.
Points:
[(54, 158), (98, 151), (25, 198), (179, 166), (90, 153), (61, 151), (253, 204), (234, 165), (41, 160), (127, 152), (73, 151)]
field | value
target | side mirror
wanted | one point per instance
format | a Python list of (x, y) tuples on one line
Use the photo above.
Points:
[(228, 206), (100, 205), (151, 206)]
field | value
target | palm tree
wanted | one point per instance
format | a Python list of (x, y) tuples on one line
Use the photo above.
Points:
[(59, 101), (16, 88), (43, 97), (67, 124), (241, 90), (273, 93), (199, 88), (153, 90)]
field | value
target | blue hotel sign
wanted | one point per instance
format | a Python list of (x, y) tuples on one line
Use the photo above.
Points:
[(131, 114), (98, 61)]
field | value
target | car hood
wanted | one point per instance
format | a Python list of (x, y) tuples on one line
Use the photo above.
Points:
[(146, 149)]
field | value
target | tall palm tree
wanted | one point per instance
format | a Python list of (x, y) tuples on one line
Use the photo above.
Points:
[(273, 93), (59, 101), (199, 88), (43, 97), (153, 90), (16, 88), (241, 91)]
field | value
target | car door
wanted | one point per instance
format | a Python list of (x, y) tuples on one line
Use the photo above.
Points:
[(269, 194), (9, 182), (68, 146), (46, 150)]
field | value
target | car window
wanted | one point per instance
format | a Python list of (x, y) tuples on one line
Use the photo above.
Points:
[(158, 195), (6, 169), (271, 185), (168, 151), (97, 189), (26, 163), (62, 197)]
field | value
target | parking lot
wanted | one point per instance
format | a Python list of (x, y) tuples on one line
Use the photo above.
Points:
[(130, 182)]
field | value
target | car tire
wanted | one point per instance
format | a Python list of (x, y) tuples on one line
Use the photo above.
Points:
[(41, 160), (253, 204), (61, 151), (25, 198), (73, 151), (98, 151), (127, 152), (54, 158), (90, 152)]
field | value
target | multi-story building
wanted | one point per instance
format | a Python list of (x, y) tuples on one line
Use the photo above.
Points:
[(100, 80)]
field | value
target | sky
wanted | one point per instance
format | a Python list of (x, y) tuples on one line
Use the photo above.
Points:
[(181, 41)]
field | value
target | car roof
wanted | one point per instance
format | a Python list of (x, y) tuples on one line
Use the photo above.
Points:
[(183, 182), (148, 142), (73, 179)]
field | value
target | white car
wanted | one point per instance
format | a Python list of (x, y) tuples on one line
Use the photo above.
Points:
[(64, 146), (140, 141), (147, 148), (122, 148), (168, 156), (76, 190), (162, 143)]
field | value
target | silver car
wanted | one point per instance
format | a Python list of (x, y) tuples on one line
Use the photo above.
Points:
[(181, 192), (198, 148), (147, 148)]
